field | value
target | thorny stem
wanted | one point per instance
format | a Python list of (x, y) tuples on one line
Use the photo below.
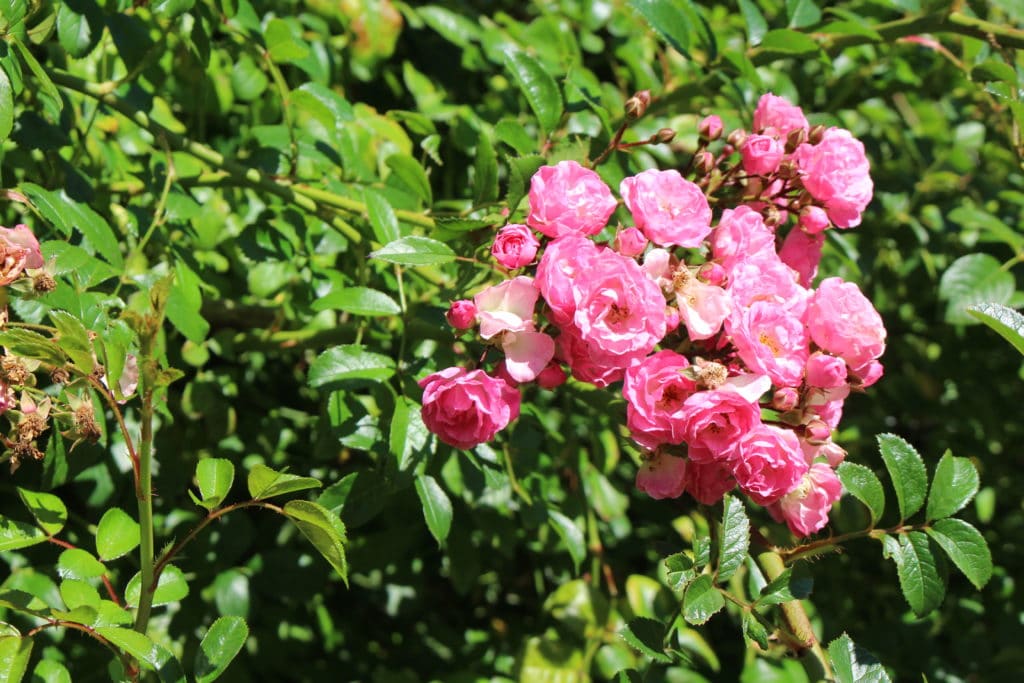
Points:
[(58, 623), (790, 555)]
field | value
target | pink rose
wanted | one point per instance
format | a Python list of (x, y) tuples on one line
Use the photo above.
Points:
[(843, 322), (739, 236), (507, 306), (825, 372), (467, 408), (551, 377), (461, 314), (868, 374), (659, 265), (802, 252), (708, 482), (703, 308), (630, 242), (527, 353), (836, 172), (768, 463), (563, 260), (777, 116), (766, 278), (569, 199), (655, 390), (669, 209), (771, 340), (714, 421), (662, 476), (514, 246), (19, 250), (785, 399), (761, 154), (589, 363), (710, 128), (813, 219), (805, 509)]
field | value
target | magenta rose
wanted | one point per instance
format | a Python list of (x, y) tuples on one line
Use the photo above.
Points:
[(843, 322), (836, 172), (777, 116), (563, 261), (768, 464), (805, 509), (567, 199), (467, 408), (514, 246), (669, 209), (655, 390), (713, 422)]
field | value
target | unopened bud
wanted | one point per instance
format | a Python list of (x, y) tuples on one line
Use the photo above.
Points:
[(665, 136), (785, 399), (737, 138), (461, 314), (636, 106), (796, 137), (710, 128), (817, 432), (813, 219), (788, 170), (712, 273), (704, 162), (815, 134)]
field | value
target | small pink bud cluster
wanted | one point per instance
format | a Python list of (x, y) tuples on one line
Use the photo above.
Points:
[(734, 368)]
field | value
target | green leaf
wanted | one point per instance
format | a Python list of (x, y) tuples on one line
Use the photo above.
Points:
[(570, 535), (918, 572), (15, 652), (437, 508), (150, 654), (539, 88), (972, 280), (49, 510), (15, 534), (170, 587), (31, 344), (67, 215), (169, 9), (756, 24), (971, 217), (77, 593), (185, 303), (214, 477), (953, 486), (994, 70), (679, 571), (219, 647), (853, 664), (521, 170), (648, 637), (282, 45), (909, 476), (668, 20), (358, 301), (702, 600), (6, 105), (802, 13), (323, 529), (415, 251), (411, 173), (785, 588), (50, 671), (734, 539), (73, 339), (382, 217), (755, 630), (863, 485), (265, 482), (788, 42), (75, 32), (116, 535), (966, 547), (1007, 322), (485, 171), (349, 362), (76, 563)]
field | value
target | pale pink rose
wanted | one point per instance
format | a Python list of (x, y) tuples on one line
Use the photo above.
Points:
[(703, 308), (514, 246), (659, 265), (708, 482), (19, 250), (618, 308), (461, 314), (669, 209), (825, 371), (768, 463), (843, 322), (766, 278), (589, 363), (662, 476), (805, 509), (770, 340), (802, 252), (551, 377), (713, 422), (739, 236), (814, 219), (563, 260), (467, 408), (526, 354), (777, 116), (630, 242), (761, 154), (506, 307), (655, 390), (710, 128), (567, 199), (750, 386), (836, 172)]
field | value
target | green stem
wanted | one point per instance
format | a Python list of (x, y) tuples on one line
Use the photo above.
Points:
[(145, 496)]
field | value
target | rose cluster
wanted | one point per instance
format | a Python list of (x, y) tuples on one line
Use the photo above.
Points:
[(733, 365)]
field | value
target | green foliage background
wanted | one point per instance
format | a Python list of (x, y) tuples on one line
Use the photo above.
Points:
[(260, 151)]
